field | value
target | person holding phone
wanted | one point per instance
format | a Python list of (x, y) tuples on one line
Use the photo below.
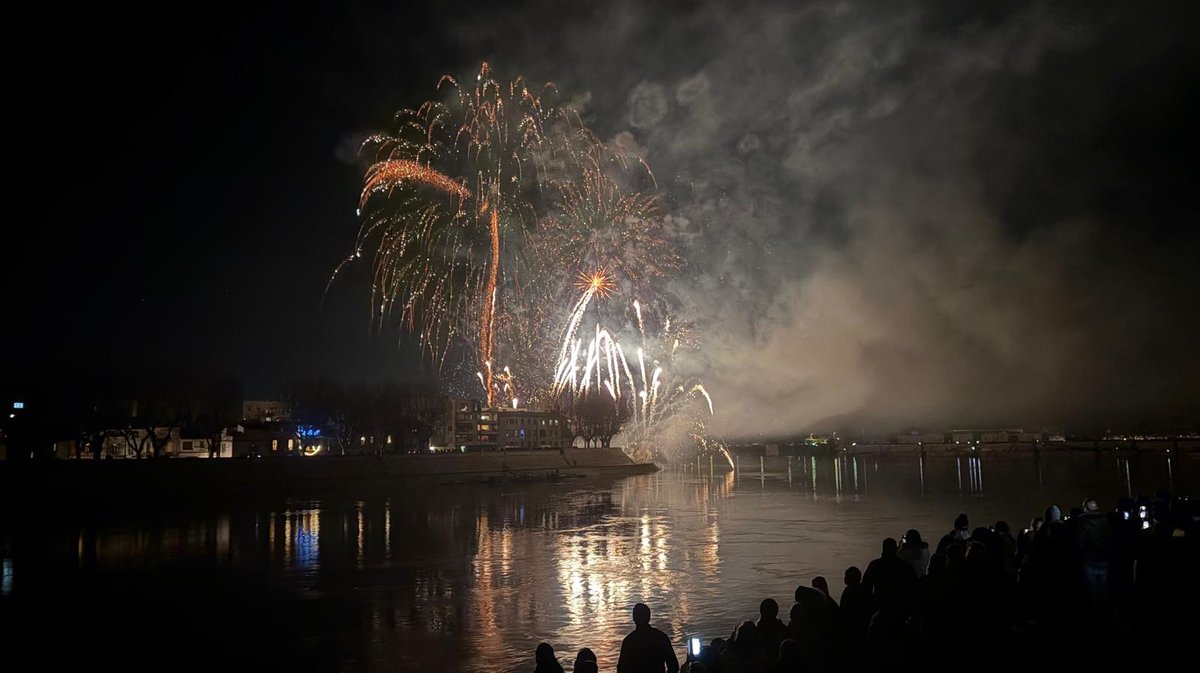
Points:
[(646, 649)]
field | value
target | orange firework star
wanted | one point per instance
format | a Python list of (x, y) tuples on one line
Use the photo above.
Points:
[(600, 282)]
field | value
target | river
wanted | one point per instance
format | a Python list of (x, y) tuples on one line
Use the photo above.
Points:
[(471, 578)]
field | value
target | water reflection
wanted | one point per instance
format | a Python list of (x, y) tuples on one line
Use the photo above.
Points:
[(473, 578)]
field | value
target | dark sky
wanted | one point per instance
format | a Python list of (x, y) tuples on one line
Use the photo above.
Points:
[(929, 212)]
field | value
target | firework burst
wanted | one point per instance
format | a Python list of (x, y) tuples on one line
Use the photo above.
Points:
[(490, 212), (482, 207), (645, 395)]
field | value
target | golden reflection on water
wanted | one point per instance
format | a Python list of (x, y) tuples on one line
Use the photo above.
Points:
[(633, 555)]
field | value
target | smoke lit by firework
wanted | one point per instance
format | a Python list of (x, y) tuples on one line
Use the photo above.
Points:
[(489, 212)]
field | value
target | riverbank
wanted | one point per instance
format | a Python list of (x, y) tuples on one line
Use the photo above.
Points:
[(1165, 447), (86, 481)]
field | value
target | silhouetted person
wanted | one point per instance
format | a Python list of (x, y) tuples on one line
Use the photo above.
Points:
[(744, 654), (811, 598), (891, 581), (585, 662), (790, 659), (959, 535), (771, 629), (985, 607), (1025, 541), (818, 626), (545, 659), (1008, 547), (830, 605), (857, 606), (914, 551), (885, 638), (646, 649), (710, 654), (1126, 529), (938, 607), (1050, 568), (1092, 544), (802, 629)]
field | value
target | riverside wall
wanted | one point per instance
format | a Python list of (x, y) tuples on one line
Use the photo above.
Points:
[(86, 481)]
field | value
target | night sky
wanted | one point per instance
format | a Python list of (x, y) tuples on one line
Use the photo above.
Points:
[(939, 212)]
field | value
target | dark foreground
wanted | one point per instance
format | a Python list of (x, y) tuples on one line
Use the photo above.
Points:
[(1095, 589), (473, 577)]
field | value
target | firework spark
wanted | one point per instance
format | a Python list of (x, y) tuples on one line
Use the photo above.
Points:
[(652, 396), (600, 282), (491, 211), (473, 207)]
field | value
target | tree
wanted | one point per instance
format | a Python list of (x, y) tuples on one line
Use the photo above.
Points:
[(214, 408), (595, 418), (424, 411)]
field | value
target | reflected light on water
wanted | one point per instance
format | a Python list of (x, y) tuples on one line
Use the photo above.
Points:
[(472, 579)]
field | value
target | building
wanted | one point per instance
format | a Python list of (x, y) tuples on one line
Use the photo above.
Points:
[(472, 427), (527, 429), (917, 437), (469, 426), (199, 447), (265, 439), (991, 436), (264, 411)]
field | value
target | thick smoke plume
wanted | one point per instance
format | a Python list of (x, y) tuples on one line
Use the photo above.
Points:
[(905, 214)]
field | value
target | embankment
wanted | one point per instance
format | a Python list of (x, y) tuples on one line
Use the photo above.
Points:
[(84, 481)]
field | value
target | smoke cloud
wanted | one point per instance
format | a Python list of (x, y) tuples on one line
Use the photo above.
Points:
[(906, 215)]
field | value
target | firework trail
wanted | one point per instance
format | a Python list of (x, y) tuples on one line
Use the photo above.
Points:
[(709, 444), (652, 397)]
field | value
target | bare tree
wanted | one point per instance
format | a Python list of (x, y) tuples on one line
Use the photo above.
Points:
[(595, 418), (424, 412)]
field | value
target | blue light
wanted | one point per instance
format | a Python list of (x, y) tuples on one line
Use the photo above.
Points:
[(18, 405), (308, 431)]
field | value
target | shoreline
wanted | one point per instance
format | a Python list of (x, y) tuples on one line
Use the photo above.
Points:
[(72, 483), (967, 449)]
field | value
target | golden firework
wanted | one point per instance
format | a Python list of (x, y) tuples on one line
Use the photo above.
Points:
[(601, 283)]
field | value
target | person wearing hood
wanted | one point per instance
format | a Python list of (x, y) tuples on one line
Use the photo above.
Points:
[(914, 551)]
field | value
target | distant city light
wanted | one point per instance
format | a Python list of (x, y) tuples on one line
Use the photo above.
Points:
[(18, 405)]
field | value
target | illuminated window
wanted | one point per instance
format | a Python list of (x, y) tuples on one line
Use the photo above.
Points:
[(274, 444), (291, 444), (18, 405)]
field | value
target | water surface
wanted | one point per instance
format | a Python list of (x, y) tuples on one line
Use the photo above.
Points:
[(472, 578)]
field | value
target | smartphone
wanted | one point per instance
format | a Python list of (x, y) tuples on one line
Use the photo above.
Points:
[(694, 647)]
